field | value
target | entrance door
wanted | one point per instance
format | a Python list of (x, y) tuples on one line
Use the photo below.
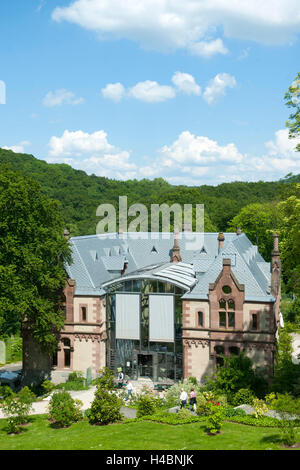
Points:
[(145, 365)]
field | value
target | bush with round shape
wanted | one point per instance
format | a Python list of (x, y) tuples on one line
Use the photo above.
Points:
[(244, 396), (64, 410)]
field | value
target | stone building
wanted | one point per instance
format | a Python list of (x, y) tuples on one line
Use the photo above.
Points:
[(166, 306)]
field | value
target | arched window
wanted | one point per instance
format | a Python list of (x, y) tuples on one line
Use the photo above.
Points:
[(222, 303), (231, 304), (234, 350)]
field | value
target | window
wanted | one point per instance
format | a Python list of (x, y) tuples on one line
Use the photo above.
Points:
[(222, 319), (254, 322), (226, 289), (83, 314), (234, 350), (227, 316), (200, 318), (219, 352), (67, 352), (231, 320)]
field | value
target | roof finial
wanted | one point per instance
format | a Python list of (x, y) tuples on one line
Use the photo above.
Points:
[(175, 256)]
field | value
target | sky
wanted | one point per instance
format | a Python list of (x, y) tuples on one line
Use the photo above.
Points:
[(191, 91)]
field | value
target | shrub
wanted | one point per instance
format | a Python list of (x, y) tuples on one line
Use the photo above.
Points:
[(63, 409), (145, 405), (17, 408), (47, 387), (5, 392), (192, 380), (286, 405), (244, 396), (215, 419), (260, 408), (105, 408), (183, 413), (234, 412)]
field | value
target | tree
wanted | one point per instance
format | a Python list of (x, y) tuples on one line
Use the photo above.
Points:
[(258, 221), (32, 254), (292, 98)]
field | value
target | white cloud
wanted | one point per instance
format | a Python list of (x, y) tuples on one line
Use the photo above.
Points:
[(114, 91), (19, 148), (174, 24), (186, 83), (91, 153), (59, 97), (208, 48), (190, 159), (151, 92), (217, 87)]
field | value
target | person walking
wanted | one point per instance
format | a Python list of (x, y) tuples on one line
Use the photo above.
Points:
[(183, 398), (129, 390), (193, 400), (120, 379)]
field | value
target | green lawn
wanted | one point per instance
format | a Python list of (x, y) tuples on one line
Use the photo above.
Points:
[(143, 435)]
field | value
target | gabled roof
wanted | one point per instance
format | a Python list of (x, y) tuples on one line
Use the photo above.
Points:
[(100, 259)]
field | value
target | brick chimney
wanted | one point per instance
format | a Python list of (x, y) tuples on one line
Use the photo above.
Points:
[(276, 267), (175, 255), (221, 239)]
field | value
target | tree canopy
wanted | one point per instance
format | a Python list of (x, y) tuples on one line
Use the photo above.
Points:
[(32, 254)]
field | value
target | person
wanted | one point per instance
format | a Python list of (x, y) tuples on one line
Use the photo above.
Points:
[(120, 379), (193, 400), (129, 390), (183, 398)]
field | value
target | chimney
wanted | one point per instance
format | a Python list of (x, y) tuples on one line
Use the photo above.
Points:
[(221, 239), (66, 234), (175, 256), (276, 267)]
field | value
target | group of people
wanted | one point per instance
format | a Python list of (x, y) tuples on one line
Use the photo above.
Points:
[(183, 395), (184, 398)]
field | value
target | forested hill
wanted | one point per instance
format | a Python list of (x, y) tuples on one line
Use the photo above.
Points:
[(80, 194)]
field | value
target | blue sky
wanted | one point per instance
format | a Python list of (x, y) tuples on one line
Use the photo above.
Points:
[(189, 91)]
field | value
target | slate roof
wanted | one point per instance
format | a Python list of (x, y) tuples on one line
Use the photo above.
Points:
[(100, 259)]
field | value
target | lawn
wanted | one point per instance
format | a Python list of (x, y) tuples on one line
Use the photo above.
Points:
[(141, 435)]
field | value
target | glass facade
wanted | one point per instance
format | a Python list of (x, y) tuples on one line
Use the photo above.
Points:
[(160, 361)]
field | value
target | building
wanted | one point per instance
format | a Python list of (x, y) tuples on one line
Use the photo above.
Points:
[(166, 306)]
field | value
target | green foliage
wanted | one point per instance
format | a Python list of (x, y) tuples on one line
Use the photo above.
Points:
[(192, 380), (260, 408), (64, 410), (182, 417), (258, 221), (5, 392), (233, 412), (292, 98), (17, 408), (286, 373), (237, 373), (106, 405), (244, 396), (47, 387), (75, 381), (106, 379), (215, 418), (287, 407), (32, 272), (14, 349), (80, 194), (145, 405), (105, 408)]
